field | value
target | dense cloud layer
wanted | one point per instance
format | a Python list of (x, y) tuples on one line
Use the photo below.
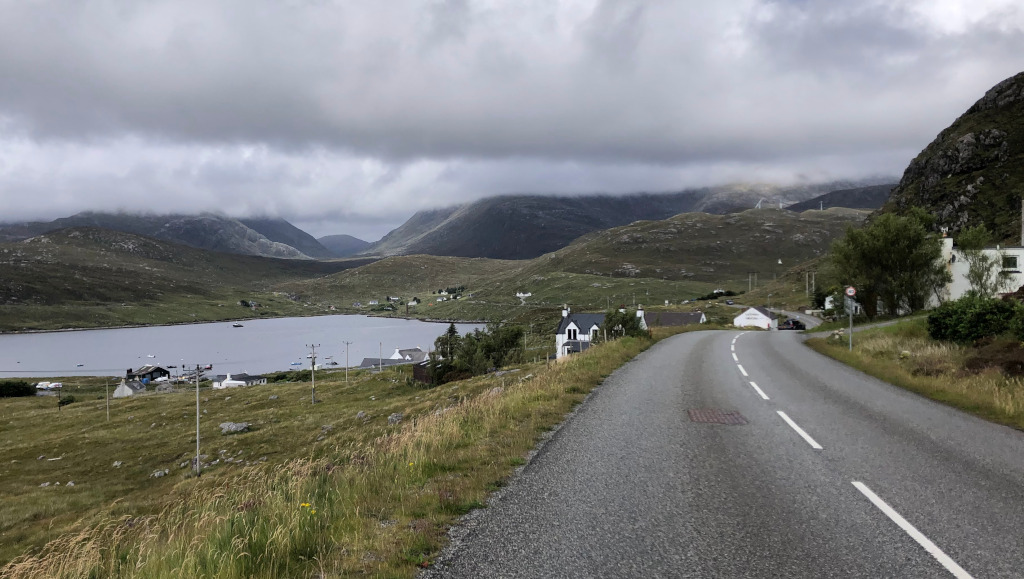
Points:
[(347, 116)]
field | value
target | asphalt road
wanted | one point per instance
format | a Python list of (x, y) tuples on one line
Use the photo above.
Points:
[(631, 486)]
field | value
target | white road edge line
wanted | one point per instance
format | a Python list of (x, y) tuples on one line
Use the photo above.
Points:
[(735, 358), (742, 371), (759, 391), (800, 431), (733, 347), (932, 548)]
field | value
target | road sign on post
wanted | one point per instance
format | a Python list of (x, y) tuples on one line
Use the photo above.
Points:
[(850, 292)]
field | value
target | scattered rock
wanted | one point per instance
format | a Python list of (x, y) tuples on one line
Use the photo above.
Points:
[(44, 485), (361, 415), (131, 418), (117, 464), (326, 428), (233, 427), (494, 391), (153, 425), (273, 397), (373, 397), (321, 437), (226, 398), (71, 483), (395, 418), (41, 457), (160, 473)]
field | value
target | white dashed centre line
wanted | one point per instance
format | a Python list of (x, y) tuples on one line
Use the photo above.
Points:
[(932, 548), (800, 431), (759, 391), (735, 358), (742, 371)]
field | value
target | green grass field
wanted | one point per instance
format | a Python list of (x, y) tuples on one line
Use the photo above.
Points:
[(310, 489)]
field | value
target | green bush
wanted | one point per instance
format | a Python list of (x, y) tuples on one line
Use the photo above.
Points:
[(16, 388), (969, 319), (65, 400)]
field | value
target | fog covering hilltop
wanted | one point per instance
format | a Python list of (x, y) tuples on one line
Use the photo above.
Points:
[(527, 226), (266, 237)]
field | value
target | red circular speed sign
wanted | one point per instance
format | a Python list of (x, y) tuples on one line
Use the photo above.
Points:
[(851, 291)]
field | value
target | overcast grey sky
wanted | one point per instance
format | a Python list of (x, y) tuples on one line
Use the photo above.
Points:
[(347, 116)]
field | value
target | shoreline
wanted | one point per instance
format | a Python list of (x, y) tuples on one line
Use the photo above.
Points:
[(233, 320)]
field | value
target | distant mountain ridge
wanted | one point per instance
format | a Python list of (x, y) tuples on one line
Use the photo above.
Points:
[(260, 237), (973, 172), (526, 226), (343, 245), (870, 197)]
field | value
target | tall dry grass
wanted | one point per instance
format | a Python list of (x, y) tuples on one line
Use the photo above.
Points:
[(905, 356), (379, 507)]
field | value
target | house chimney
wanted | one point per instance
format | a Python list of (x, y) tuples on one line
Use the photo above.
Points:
[(565, 311)]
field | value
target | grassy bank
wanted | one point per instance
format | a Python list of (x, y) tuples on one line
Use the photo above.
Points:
[(311, 490), (904, 355)]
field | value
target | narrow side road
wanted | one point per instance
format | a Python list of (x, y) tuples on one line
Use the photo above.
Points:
[(731, 454)]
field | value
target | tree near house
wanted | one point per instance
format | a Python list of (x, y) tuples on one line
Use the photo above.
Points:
[(622, 322), (894, 260), (985, 272)]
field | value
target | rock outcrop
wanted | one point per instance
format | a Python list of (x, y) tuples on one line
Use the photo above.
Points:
[(973, 172)]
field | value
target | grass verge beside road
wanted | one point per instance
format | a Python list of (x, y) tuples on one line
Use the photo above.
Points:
[(340, 494), (904, 355)]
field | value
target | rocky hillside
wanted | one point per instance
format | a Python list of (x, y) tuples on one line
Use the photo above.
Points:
[(871, 197), (526, 226), (973, 172), (281, 231), (204, 231)]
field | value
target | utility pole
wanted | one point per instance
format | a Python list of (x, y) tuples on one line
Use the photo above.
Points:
[(198, 462), (107, 385), (312, 369), (380, 356), (347, 344)]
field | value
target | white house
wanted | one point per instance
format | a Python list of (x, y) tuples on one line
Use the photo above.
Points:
[(1009, 260), (523, 294), (756, 317), (576, 332), (123, 391), (229, 381)]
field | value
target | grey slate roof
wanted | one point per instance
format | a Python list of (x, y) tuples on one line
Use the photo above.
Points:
[(672, 318), (583, 321), (377, 362)]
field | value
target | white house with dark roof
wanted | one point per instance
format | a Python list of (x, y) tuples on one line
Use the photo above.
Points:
[(576, 332)]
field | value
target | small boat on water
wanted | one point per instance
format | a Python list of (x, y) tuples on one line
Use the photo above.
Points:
[(296, 363), (236, 325), (79, 365)]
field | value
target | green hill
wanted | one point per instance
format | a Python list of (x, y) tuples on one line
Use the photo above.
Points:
[(973, 172), (87, 277)]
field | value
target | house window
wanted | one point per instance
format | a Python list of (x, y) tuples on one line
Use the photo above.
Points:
[(1009, 262), (571, 332), (593, 335)]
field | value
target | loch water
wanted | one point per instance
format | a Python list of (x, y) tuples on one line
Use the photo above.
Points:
[(259, 346)]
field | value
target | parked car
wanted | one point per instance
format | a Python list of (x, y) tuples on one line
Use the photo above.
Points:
[(729, 302), (792, 325)]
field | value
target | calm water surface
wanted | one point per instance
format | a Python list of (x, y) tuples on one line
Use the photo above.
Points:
[(260, 346)]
